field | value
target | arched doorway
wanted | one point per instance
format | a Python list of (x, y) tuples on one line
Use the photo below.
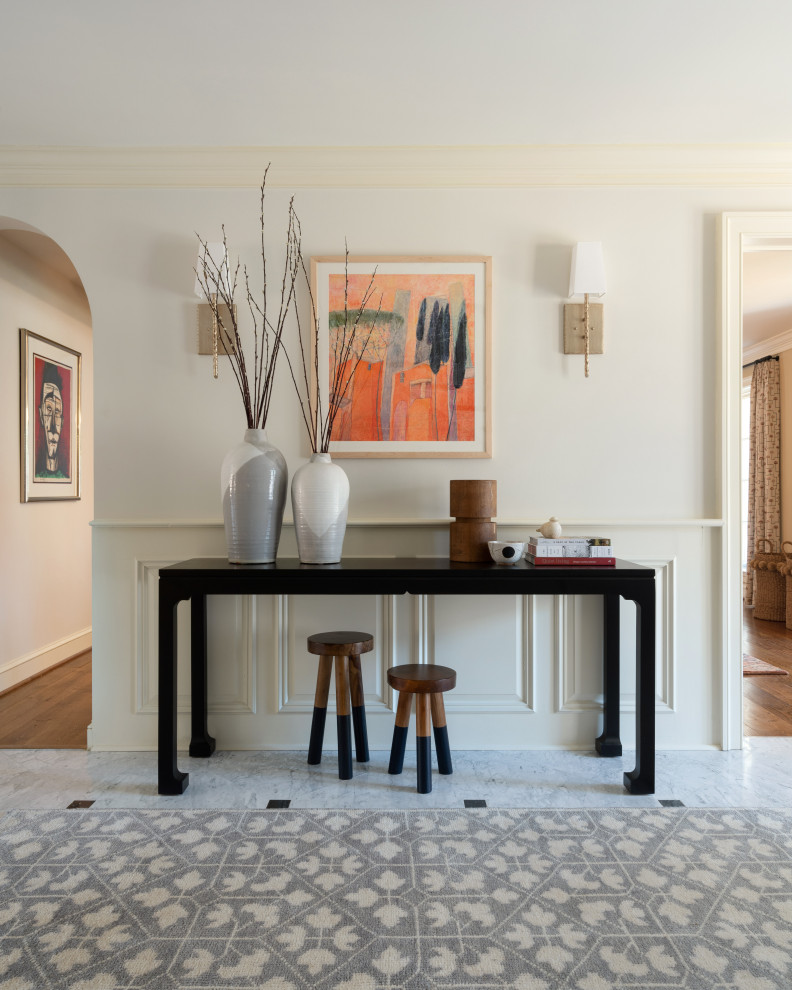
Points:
[(45, 567)]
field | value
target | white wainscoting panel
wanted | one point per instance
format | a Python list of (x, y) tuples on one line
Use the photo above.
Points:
[(231, 647), (579, 674), (529, 668), (489, 641), (300, 616)]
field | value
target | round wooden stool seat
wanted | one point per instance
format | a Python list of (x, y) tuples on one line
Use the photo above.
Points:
[(422, 678), (340, 649), (427, 682), (340, 644)]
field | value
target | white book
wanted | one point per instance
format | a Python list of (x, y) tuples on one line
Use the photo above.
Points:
[(550, 541), (570, 550)]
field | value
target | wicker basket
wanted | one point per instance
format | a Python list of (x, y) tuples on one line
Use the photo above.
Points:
[(785, 570), (770, 596)]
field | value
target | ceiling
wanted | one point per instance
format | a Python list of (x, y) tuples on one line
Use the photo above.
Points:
[(352, 72), (766, 294)]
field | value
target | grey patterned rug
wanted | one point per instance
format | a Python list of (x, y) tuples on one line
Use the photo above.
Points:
[(361, 900)]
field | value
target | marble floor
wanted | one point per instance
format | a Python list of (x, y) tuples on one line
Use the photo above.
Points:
[(760, 775)]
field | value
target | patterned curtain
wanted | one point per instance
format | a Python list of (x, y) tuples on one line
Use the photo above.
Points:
[(764, 477)]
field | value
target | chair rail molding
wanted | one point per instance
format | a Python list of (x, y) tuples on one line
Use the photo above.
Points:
[(695, 522)]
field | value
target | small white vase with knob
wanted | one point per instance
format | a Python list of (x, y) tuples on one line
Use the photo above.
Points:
[(551, 530)]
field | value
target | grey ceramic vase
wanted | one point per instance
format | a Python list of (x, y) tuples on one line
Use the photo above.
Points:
[(253, 484), (320, 500)]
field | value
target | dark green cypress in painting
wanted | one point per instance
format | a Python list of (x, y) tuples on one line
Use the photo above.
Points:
[(434, 339), (460, 350), (421, 325), (421, 342)]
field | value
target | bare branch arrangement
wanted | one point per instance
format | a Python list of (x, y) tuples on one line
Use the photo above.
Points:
[(219, 284), (352, 338), (353, 335)]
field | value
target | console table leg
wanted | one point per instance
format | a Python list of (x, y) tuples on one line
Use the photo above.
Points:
[(170, 779), (609, 743), (641, 780), (201, 743)]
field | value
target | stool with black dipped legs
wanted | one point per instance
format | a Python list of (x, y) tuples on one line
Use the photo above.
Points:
[(428, 682), (343, 649)]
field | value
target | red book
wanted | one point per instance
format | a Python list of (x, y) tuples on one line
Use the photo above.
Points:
[(571, 561)]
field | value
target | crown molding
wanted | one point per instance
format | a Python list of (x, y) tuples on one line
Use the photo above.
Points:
[(517, 166), (768, 346)]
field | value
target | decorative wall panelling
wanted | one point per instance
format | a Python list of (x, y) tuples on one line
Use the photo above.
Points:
[(579, 683), (534, 662), (233, 646), (299, 616), (494, 644)]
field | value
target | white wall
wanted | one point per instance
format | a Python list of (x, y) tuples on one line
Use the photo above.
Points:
[(45, 563), (630, 452), (647, 456)]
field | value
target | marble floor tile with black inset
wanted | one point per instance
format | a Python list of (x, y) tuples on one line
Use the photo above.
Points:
[(755, 777)]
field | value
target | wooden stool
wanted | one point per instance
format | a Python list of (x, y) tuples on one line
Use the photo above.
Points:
[(427, 681), (345, 648)]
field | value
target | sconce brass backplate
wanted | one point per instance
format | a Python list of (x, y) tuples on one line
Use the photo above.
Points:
[(205, 329), (574, 336)]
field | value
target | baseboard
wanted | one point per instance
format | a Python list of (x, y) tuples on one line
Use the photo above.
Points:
[(33, 664)]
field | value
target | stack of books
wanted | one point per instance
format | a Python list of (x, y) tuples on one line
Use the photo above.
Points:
[(570, 551)]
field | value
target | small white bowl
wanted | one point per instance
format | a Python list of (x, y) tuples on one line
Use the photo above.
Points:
[(505, 552)]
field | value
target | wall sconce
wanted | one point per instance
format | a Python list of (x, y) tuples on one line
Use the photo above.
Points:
[(211, 269), (583, 322)]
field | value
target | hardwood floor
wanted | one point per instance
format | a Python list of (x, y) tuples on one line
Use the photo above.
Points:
[(50, 712), (767, 698)]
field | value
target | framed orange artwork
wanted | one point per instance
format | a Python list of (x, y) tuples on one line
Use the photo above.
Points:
[(421, 386)]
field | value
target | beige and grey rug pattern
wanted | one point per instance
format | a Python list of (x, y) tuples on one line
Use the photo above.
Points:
[(348, 900)]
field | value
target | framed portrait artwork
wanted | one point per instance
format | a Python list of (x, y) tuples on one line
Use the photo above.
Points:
[(422, 349), (49, 390)]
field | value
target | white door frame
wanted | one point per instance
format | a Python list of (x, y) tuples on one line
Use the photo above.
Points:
[(738, 232)]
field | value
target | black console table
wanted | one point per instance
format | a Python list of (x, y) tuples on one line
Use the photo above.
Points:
[(193, 580)]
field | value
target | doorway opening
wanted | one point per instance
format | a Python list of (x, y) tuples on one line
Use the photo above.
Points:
[(766, 294), (46, 493)]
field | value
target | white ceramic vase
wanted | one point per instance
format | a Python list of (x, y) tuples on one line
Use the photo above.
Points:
[(253, 484), (320, 501)]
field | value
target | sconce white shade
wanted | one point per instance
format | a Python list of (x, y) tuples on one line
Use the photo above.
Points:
[(215, 263), (587, 274)]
